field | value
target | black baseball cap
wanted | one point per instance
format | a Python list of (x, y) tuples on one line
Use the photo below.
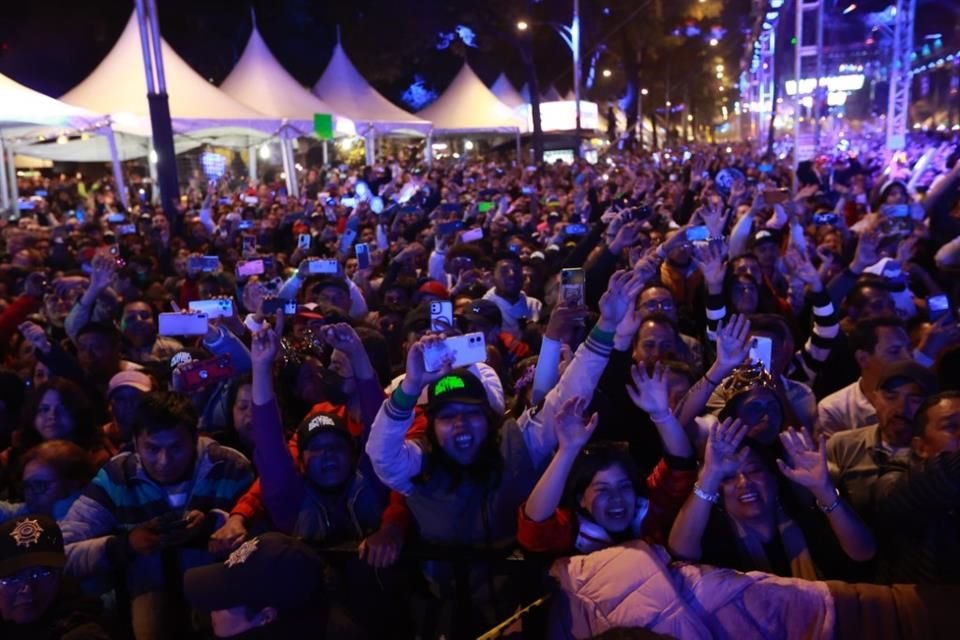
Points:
[(316, 423), (271, 570), (483, 312), (907, 371), (458, 386), (30, 541)]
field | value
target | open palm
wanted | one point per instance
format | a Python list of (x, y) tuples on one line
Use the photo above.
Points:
[(733, 342), (807, 466), (572, 428)]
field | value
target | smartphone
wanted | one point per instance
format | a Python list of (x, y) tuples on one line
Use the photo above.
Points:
[(247, 268), (575, 229), (346, 240), (362, 252), (825, 218), (183, 324), (272, 305), (325, 267), (698, 234), (251, 200), (446, 228), (304, 240), (472, 235), (348, 202), (937, 306), (175, 525), (528, 191), (244, 225), (483, 207), (376, 205), (441, 315), (896, 210), (115, 218), (204, 264), (466, 349), (127, 230), (198, 374), (686, 155), (776, 196), (249, 244), (214, 308), (761, 350), (572, 283)]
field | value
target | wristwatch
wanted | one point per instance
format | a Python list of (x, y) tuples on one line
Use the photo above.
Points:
[(698, 491)]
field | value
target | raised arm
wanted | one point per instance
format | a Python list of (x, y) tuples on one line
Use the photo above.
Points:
[(720, 460), (344, 338), (649, 392), (808, 468), (573, 432)]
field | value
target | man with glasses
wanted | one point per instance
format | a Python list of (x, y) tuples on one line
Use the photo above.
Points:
[(36, 600), (657, 298)]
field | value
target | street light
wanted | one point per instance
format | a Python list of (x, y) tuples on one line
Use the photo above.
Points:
[(714, 42), (522, 25), (644, 92), (607, 73), (719, 68)]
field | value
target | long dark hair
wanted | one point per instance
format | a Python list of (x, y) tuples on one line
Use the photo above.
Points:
[(76, 402), (486, 469), (594, 458)]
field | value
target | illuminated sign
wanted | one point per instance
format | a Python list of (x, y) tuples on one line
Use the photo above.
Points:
[(562, 116), (852, 82)]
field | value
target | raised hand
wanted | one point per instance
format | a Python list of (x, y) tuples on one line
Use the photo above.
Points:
[(627, 236), (572, 426), (620, 296), (710, 259), (266, 344), (342, 337), (806, 465), (713, 217), (800, 266), (866, 252), (103, 269), (649, 391), (721, 458), (733, 343), (563, 321), (416, 375), (36, 336)]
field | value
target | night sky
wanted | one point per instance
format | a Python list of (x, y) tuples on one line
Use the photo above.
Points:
[(52, 46)]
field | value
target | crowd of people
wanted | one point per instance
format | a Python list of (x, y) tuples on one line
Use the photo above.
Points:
[(679, 393)]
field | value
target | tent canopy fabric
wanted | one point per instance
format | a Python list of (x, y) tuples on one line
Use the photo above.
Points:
[(551, 95), (22, 106), (344, 88), (506, 93), (468, 106), (118, 85), (259, 81)]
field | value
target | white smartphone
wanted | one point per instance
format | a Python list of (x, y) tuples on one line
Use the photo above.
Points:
[(441, 315), (304, 240), (247, 268), (467, 349), (214, 308), (761, 350), (472, 235), (325, 266), (183, 324)]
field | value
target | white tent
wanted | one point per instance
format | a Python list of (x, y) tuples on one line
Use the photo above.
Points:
[(259, 81), (506, 93), (21, 105), (342, 86), (551, 95), (467, 106), (118, 86)]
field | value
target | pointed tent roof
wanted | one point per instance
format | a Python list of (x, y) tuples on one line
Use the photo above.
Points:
[(506, 92), (258, 80), (118, 85), (571, 96), (342, 86), (551, 95), (468, 106), (21, 105)]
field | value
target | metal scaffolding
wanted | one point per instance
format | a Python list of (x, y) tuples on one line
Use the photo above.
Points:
[(898, 107)]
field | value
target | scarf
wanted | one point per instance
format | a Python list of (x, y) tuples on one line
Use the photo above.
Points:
[(794, 545), (592, 537)]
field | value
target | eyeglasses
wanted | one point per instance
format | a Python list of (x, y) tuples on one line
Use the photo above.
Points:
[(663, 305), (33, 575)]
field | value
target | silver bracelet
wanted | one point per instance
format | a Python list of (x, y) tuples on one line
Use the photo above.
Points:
[(713, 498), (832, 507)]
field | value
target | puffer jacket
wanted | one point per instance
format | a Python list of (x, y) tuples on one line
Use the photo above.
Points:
[(633, 585)]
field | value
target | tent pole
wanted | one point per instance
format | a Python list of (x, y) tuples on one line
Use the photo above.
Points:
[(152, 166), (252, 152), (519, 156), (289, 165), (4, 191), (428, 150), (326, 154), (371, 145), (286, 163), (11, 166), (293, 168), (117, 169)]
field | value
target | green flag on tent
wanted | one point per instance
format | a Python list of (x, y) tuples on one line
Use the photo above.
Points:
[(323, 125)]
